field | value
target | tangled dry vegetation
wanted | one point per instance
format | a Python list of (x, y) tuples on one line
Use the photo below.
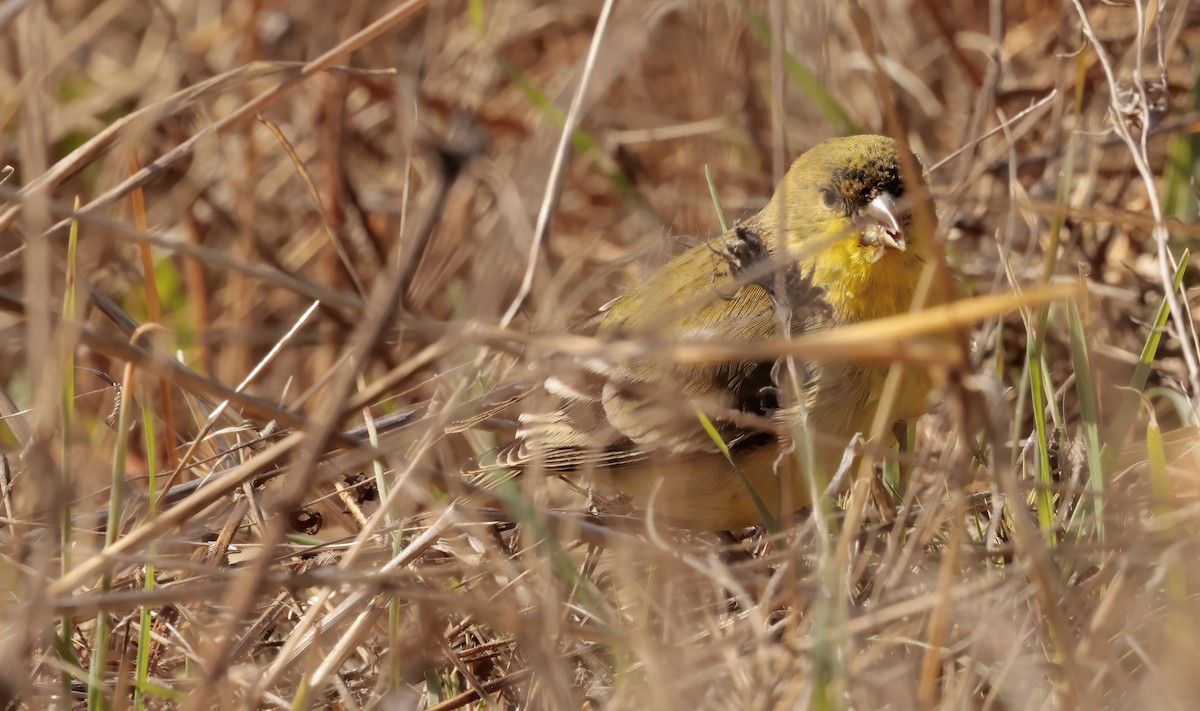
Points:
[(341, 219)]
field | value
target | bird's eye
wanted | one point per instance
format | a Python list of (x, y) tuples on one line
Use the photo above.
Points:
[(830, 198)]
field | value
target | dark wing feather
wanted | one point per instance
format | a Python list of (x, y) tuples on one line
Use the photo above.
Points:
[(623, 414)]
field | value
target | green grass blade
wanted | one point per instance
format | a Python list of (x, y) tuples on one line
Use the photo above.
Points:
[(70, 315), (146, 619), (712, 191), (806, 81), (1117, 432), (1042, 474), (582, 142), (768, 520), (1183, 164), (1085, 387), (476, 15)]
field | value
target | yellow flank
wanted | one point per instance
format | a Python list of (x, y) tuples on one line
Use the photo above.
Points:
[(839, 222)]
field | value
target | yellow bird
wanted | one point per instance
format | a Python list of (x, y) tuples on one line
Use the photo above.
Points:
[(837, 222)]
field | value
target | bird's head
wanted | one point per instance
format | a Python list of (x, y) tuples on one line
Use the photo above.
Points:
[(849, 191)]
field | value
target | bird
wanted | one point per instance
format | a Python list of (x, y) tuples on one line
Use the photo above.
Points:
[(844, 250)]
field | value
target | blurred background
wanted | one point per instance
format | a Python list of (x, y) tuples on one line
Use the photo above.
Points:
[(237, 160)]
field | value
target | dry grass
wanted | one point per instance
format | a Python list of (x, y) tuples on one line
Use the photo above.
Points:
[(398, 173)]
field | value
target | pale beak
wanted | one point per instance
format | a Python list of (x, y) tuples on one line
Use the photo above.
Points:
[(888, 228)]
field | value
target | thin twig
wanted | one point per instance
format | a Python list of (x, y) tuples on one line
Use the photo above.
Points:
[(1180, 320), (558, 167)]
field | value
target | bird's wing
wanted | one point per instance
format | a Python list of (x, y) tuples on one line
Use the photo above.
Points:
[(586, 419), (620, 415)]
